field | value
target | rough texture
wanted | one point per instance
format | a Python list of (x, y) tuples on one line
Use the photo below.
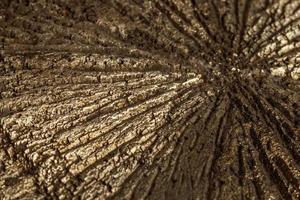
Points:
[(162, 99)]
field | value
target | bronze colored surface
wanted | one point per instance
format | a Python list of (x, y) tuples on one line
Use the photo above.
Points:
[(140, 99)]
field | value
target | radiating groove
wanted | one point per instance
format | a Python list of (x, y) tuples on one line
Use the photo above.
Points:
[(135, 99)]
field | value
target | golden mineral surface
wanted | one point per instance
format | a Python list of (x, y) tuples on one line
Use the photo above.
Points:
[(140, 99)]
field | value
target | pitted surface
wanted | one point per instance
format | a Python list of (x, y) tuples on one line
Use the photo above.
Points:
[(163, 99)]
